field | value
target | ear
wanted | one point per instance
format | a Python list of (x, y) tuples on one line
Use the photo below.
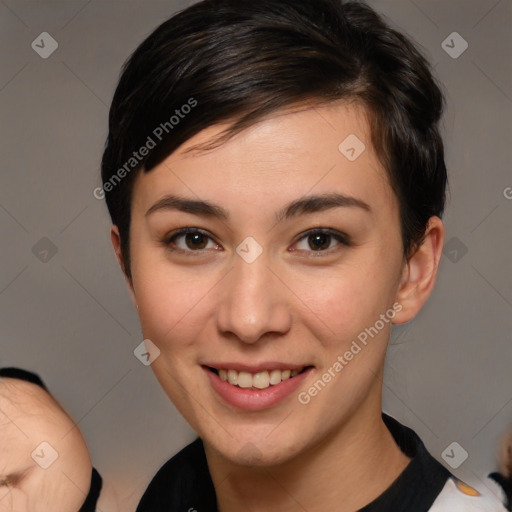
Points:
[(116, 243), (420, 272)]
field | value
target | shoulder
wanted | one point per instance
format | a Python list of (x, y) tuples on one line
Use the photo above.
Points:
[(426, 484), (457, 496)]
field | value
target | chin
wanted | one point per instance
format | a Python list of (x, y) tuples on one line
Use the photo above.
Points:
[(254, 448)]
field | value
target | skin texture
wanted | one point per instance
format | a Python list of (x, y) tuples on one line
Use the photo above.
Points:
[(29, 416), (293, 304)]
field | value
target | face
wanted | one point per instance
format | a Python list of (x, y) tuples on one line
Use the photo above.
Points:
[(293, 253), (29, 416)]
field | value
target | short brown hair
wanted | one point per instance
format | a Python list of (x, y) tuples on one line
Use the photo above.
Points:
[(242, 60)]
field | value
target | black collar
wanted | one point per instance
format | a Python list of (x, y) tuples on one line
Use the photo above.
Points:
[(419, 484), (94, 493), (184, 482)]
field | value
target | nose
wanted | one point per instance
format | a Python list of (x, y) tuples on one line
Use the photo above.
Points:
[(253, 302)]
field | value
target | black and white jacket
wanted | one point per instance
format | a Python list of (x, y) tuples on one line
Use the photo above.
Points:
[(425, 485)]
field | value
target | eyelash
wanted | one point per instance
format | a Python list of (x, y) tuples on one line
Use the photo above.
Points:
[(340, 237)]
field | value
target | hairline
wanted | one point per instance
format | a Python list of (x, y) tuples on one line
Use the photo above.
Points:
[(232, 129)]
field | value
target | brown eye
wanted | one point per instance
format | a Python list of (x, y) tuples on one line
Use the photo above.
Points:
[(319, 241), (190, 240), (196, 240), (322, 240)]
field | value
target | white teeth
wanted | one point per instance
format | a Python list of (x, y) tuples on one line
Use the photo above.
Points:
[(233, 377), (260, 380), (244, 379), (275, 377)]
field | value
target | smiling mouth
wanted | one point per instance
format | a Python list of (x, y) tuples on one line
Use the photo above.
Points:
[(259, 380)]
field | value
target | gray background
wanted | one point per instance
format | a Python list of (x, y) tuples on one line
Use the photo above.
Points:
[(68, 316)]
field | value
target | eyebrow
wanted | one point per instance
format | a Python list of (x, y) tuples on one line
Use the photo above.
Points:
[(319, 203), (304, 205), (11, 480), (196, 206)]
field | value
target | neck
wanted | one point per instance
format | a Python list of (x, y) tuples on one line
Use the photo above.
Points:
[(332, 474)]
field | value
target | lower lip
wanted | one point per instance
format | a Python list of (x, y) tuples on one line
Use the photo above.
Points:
[(255, 400)]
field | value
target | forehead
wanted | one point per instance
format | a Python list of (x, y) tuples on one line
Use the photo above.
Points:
[(313, 149)]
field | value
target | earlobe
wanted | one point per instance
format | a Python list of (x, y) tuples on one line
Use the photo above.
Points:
[(115, 238), (420, 271)]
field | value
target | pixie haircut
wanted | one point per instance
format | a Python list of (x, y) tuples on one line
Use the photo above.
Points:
[(237, 61)]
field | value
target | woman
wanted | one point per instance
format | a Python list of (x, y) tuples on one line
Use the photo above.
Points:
[(276, 180)]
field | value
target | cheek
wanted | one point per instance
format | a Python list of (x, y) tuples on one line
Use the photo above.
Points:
[(345, 301), (171, 300)]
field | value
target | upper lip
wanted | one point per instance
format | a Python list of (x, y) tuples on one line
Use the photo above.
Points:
[(254, 368)]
